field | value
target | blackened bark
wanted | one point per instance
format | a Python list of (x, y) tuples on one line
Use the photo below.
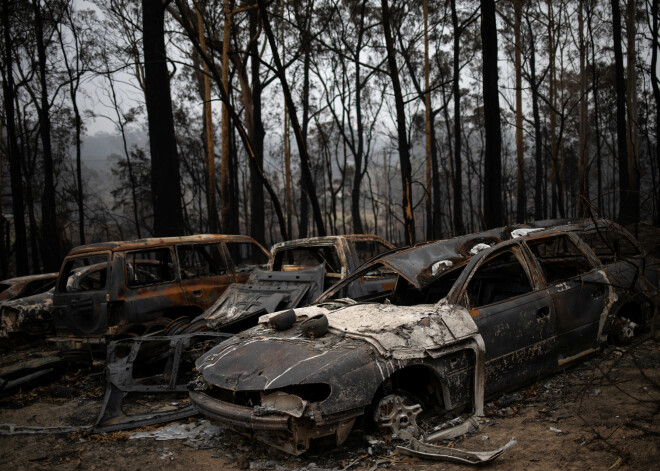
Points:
[(257, 210), (656, 95), (521, 196), (626, 200), (538, 139), (50, 243), (17, 202), (493, 160), (594, 90), (358, 155), (404, 147), (459, 226), (165, 177)]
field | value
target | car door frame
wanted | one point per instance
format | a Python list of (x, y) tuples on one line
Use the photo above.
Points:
[(578, 335), (508, 367), (202, 291)]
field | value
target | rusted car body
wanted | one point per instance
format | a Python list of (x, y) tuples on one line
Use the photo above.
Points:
[(32, 316), (298, 273), (467, 318), (136, 282), (341, 255), (22, 286)]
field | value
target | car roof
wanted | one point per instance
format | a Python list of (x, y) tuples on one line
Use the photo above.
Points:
[(329, 240), (117, 246), (416, 263), (28, 278)]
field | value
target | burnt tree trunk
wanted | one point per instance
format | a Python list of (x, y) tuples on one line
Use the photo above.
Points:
[(538, 139), (459, 226), (17, 202), (257, 211), (521, 197), (493, 159), (626, 200), (583, 209), (50, 244), (404, 147), (165, 177), (656, 95), (594, 91)]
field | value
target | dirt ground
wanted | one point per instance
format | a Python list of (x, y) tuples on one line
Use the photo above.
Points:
[(602, 414)]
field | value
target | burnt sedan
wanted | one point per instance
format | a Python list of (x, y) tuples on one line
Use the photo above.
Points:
[(467, 318)]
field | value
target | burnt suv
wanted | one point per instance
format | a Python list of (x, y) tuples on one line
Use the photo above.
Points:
[(125, 286)]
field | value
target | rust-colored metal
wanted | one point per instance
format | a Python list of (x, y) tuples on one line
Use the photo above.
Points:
[(133, 288)]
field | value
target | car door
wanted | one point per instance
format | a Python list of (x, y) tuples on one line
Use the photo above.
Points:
[(578, 290), (205, 274), (81, 295), (514, 313), (151, 287)]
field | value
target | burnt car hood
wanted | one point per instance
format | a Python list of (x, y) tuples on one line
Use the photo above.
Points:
[(263, 359), (365, 344), (266, 363), (265, 292), (399, 332)]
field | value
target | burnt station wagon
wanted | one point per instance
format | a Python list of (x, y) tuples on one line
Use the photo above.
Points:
[(123, 286), (467, 318)]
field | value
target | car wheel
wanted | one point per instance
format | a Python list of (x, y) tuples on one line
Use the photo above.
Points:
[(630, 322), (397, 413)]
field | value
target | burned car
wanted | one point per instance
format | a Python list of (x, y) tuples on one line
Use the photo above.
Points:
[(22, 286), (298, 273), (26, 304), (467, 318), (123, 286), (32, 316)]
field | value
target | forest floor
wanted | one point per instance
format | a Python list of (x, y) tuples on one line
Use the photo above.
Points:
[(601, 414)]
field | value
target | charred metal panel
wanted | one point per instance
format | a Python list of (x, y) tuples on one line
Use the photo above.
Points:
[(264, 292), (154, 365), (29, 285), (580, 306)]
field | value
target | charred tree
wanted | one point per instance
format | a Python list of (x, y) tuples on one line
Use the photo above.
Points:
[(583, 155), (626, 201), (13, 152), (50, 245), (257, 212), (632, 139), (656, 94), (308, 187), (459, 226), (165, 176), (493, 159), (521, 196), (404, 147)]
